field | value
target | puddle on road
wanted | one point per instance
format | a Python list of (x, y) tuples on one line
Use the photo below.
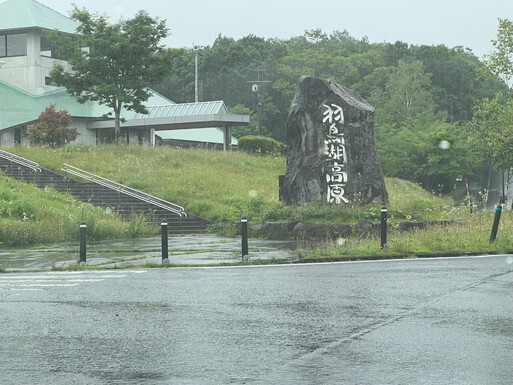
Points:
[(182, 250)]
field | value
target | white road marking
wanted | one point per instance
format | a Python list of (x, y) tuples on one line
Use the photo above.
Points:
[(36, 282)]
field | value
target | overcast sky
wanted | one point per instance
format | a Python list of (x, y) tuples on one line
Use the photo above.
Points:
[(468, 23)]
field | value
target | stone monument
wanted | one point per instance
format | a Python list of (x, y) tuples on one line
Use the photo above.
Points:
[(332, 154)]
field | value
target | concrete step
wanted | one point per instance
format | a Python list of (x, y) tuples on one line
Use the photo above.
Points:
[(125, 205)]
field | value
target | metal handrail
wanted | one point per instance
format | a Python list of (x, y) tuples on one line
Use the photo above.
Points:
[(124, 189), (19, 160)]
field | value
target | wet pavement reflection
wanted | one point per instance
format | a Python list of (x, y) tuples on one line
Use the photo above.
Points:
[(426, 322), (187, 250)]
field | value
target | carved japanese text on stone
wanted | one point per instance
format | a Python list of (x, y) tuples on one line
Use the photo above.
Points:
[(332, 154)]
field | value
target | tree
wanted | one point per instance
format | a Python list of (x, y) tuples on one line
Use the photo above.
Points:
[(409, 132), (500, 61), (51, 129), (112, 64), (492, 124), (491, 131)]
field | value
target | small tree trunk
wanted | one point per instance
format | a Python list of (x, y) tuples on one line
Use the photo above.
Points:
[(117, 125)]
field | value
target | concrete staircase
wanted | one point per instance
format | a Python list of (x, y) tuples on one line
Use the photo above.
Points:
[(102, 192)]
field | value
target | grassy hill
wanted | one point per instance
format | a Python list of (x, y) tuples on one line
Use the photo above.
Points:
[(214, 184), (32, 216), (225, 186)]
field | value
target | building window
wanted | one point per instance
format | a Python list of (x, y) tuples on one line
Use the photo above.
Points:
[(13, 45), (46, 47), (49, 82)]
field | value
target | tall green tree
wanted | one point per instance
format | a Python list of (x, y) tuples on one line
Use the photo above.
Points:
[(112, 64), (491, 131), (492, 125), (413, 139), (407, 99), (500, 61)]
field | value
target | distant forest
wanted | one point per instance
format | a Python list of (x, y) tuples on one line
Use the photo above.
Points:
[(422, 94)]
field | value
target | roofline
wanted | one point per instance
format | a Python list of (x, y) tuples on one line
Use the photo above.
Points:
[(18, 125), (177, 122), (26, 29)]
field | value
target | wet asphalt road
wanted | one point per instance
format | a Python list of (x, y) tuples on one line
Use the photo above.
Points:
[(438, 321)]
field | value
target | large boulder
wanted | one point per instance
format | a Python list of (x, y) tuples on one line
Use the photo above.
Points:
[(332, 155)]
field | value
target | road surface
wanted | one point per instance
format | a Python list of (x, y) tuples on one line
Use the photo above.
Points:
[(437, 321)]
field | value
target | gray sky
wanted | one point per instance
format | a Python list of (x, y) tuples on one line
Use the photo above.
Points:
[(469, 23)]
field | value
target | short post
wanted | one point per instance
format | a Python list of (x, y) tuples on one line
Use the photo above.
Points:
[(496, 221), (165, 245), (383, 227), (83, 237), (244, 233)]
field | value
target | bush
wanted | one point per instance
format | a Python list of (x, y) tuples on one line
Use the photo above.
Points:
[(51, 128), (261, 145)]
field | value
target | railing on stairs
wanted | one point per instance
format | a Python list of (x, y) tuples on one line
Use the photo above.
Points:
[(171, 207), (19, 160)]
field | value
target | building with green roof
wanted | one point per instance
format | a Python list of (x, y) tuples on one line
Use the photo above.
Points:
[(26, 90)]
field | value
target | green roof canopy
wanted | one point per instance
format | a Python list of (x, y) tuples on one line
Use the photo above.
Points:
[(184, 109), (18, 107), (27, 14)]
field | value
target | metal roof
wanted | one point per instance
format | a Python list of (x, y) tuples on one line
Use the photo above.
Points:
[(177, 122), (19, 107), (26, 14), (184, 109)]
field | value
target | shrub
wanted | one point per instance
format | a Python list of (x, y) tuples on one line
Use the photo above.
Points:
[(51, 128), (261, 145)]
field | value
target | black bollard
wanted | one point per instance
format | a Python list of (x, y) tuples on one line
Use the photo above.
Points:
[(383, 227), (83, 235), (165, 245), (244, 233), (496, 221)]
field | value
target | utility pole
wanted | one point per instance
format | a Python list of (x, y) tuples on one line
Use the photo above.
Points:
[(196, 81), (255, 87)]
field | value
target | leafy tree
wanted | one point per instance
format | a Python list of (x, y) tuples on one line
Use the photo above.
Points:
[(51, 128), (112, 64), (409, 132), (492, 125), (406, 99), (500, 61), (491, 131), (455, 84), (251, 128)]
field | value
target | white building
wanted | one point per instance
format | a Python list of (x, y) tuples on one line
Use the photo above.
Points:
[(26, 90)]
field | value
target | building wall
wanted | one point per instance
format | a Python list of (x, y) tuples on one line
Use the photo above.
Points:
[(13, 137), (86, 136), (29, 72)]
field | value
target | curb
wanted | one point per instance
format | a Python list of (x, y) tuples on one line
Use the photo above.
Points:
[(400, 256)]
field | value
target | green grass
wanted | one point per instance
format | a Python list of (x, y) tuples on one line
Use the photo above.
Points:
[(470, 234), (31, 216), (224, 186), (214, 184)]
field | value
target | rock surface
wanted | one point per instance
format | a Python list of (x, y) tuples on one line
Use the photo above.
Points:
[(332, 155)]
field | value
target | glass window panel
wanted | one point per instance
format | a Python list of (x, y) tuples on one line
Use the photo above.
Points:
[(17, 45), (46, 47), (2, 46)]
